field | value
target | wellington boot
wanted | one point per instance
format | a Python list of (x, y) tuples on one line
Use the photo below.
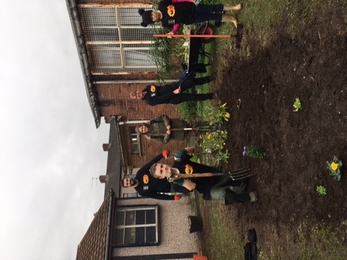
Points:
[(229, 19), (233, 8)]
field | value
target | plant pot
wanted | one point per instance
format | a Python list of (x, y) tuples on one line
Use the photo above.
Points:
[(199, 257), (195, 224)]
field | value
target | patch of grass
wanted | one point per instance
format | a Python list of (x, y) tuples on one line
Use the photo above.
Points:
[(323, 244), (319, 243), (219, 229), (221, 240)]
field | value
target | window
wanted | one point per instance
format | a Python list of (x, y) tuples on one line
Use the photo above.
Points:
[(136, 226), (130, 195), (135, 144), (115, 39)]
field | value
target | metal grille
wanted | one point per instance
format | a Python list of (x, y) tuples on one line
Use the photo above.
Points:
[(115, 40)]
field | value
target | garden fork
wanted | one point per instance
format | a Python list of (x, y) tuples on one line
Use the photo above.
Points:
[(235, 175)]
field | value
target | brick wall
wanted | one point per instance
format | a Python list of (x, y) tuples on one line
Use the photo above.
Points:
[(114, 99)]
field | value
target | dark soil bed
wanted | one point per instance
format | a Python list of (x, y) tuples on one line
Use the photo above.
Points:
[(311, 66)]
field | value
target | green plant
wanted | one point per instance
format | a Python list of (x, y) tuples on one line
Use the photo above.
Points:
[(297, 105), (217, 115), (222, 156), (254, 152), (213, 140), (167, 54), (334, 167), (321, 190), (187, 110)]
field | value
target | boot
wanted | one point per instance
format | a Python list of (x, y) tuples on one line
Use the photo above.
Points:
[(230, 19), (231, 198), (232, 8), (240, 188)]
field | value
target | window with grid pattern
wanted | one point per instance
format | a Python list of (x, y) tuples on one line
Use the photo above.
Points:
[(136, 226), (115, 40)]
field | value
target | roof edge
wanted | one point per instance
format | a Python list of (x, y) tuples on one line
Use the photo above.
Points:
[(82, 54)]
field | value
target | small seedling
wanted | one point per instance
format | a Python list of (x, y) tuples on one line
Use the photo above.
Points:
[(321, 190), (297, 105), (255, 152)]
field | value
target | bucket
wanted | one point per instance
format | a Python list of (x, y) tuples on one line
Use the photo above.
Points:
[(195, 224)]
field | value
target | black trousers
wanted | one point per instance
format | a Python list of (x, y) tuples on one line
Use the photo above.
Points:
[(189, 83), (183, 97)]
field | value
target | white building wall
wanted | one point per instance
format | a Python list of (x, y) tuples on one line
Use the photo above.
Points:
[(174, 235)]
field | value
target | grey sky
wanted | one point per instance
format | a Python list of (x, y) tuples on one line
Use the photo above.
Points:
[(50, 148)]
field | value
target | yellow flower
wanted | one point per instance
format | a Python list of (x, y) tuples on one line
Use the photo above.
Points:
[(223, 105), (227, 114), (334, 166)]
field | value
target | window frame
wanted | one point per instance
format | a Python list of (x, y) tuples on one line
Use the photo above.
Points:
[(115, 40), (126, 228)]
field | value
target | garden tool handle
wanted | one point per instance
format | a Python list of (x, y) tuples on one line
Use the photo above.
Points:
[(191, 36), (184, 129), (179, 176)]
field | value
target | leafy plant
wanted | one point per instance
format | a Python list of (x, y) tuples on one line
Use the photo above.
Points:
[(213, 140), (167, 54), (321, 190), (297, 105), (217, 115), (255, 152), (187, 110), (334, 168), (222, 156)]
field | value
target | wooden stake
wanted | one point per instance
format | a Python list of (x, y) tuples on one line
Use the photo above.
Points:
[(192, 36)]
